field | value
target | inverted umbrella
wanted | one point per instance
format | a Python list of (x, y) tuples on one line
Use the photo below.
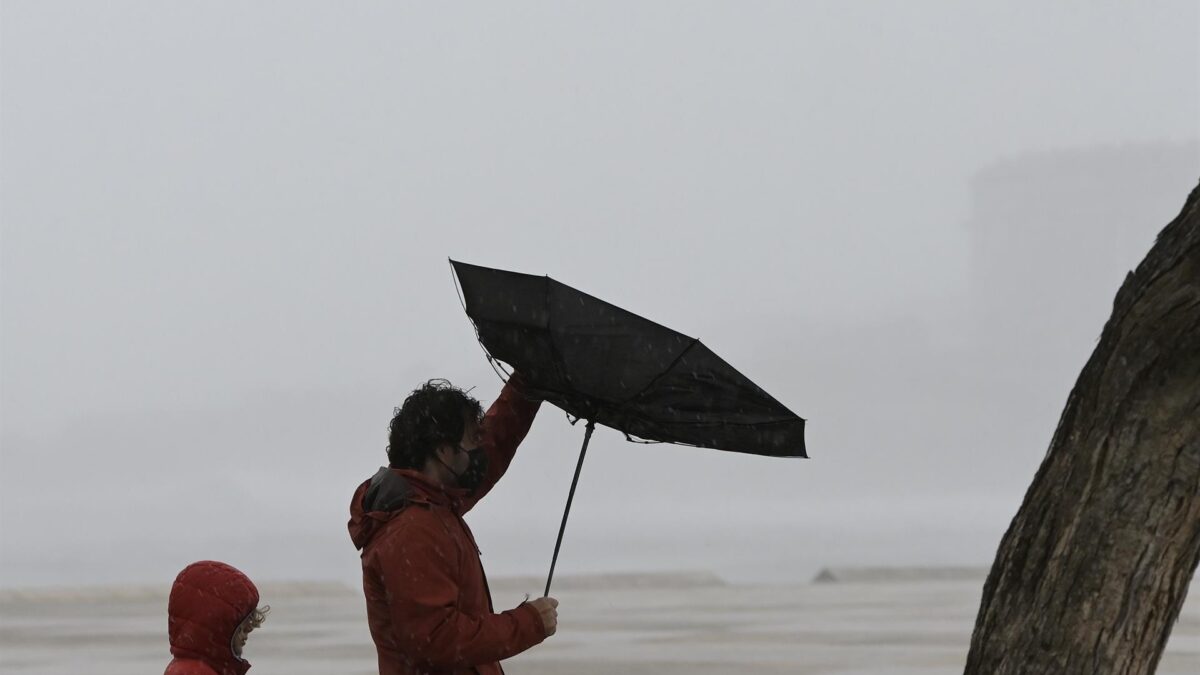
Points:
[(606, 365)]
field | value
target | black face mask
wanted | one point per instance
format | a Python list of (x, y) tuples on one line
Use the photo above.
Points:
[(472, 476)]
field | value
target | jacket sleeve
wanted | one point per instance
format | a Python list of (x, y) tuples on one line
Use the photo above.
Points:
[(504, 427), (426, 623)]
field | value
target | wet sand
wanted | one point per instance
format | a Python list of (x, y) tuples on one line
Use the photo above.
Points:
[(677, 623)]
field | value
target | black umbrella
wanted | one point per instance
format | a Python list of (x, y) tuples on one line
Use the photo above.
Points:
[(606, 365)]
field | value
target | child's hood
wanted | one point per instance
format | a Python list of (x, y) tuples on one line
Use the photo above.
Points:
[(209, 600)]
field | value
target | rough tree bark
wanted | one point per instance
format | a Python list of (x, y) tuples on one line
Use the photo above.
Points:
[(1095, 566)]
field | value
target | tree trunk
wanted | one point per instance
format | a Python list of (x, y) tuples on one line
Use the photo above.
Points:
[(1095, 566)]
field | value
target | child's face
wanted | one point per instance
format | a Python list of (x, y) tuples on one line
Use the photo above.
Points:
[(239, 638)]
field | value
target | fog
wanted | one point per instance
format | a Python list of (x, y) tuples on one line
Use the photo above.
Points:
[(225, 233)]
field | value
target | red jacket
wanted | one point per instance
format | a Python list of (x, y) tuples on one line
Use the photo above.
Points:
[(209, 600), (428, 603)]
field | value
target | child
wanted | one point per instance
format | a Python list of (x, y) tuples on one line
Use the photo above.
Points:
[(213, 607)]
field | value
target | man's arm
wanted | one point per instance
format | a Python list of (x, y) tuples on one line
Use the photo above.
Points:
[(504, 427), (417, 569)]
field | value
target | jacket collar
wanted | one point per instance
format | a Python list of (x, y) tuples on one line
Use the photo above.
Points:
[(426, 490), (382, 496), (391, 488)]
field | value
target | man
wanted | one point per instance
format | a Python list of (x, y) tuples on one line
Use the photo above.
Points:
[(428, 603)]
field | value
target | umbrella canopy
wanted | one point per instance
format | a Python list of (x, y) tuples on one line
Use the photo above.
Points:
[(609, 366)]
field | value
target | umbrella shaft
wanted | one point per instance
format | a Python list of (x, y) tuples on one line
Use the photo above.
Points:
[(570, 497)]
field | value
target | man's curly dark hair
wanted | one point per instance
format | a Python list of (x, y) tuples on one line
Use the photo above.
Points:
[(435, 413)]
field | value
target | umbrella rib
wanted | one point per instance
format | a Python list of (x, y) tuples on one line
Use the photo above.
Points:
[(558, 358), (666, 370), (784, 420), (463, 301)]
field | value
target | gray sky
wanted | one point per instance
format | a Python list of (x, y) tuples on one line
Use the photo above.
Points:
[(226, 225)]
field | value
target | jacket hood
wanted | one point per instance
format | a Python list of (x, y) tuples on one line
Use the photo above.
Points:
[(209, 600), (381, 497)]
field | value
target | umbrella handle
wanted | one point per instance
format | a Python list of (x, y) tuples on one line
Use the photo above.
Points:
[(570, 497)]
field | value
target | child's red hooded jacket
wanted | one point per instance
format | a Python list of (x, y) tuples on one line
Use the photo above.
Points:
[(208, 602)]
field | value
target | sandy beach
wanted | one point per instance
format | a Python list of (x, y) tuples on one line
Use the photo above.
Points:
[(865, 624)]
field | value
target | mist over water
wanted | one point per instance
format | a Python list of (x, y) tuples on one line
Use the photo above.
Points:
[(225, 235)]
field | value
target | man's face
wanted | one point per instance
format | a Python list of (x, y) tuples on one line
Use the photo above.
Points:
[(471, 439)]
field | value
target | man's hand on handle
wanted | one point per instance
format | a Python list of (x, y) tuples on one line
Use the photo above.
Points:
[(548, 609)]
